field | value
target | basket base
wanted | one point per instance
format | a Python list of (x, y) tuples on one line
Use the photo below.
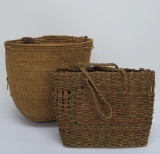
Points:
[(34, 112), (105, 137), (102, 146)]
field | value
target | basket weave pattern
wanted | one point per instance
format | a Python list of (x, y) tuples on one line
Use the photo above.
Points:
[(103, 106), (29, 62)]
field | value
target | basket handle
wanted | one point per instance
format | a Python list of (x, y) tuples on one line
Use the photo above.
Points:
[(107, 67), (102, 67), (90, 84), (28, 40)]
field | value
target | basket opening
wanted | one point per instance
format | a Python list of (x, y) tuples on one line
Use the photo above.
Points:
[(95, 69), (51, 40)]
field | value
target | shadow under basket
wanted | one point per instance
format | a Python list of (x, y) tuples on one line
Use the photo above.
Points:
[(28, 64), (103, 106)]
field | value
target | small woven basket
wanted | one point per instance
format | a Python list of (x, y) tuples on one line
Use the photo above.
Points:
[(29, 62), (102, 106)]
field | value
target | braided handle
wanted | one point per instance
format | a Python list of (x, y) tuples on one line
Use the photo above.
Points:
[(28, 40), (95, 98), (102, 67), (97, 104), (106, 67), (90, 84)]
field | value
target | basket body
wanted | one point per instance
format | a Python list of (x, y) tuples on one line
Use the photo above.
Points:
[(80, 124), (28, 68)]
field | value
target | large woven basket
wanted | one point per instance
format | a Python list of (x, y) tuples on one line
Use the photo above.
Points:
[(29, 62), (102, 106)]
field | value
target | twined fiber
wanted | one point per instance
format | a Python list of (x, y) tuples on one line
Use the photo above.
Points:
[(29, 62), (103, 106)]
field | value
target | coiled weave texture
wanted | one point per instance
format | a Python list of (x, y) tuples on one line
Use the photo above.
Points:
[(29, 62)]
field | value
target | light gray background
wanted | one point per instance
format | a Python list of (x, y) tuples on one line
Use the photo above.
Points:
[(126, 32)]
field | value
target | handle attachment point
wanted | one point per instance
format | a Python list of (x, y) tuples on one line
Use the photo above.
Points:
[(28, 40)]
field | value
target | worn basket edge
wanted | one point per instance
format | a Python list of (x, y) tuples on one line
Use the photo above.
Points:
[(14, 42)]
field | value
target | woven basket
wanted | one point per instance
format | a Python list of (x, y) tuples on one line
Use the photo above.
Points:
[(102, 106), (28, 64)]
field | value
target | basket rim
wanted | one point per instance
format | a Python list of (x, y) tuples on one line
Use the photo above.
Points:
[(16, 43)]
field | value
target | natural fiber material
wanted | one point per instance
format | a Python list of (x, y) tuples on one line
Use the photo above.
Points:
[(29, 62), (102, 106)]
